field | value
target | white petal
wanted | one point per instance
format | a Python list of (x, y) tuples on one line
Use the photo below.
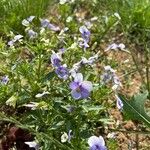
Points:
[(78, 77), (41, 94), (25, 22), (121, 46), (32, 144), (64, 137), (17, 37), (102, 140)]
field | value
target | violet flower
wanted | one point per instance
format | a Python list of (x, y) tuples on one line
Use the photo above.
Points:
[(62, 72), (5, 80), (96, 143), (46, 24), (85, 33), (119, 102), (16, 38), (115, 46), (56, 59), (32, 34), (80, 89)]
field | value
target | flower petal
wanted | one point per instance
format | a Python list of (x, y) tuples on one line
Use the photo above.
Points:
[(87, 85), (94, 140), (78, 77), (74, 85), (84, 93), (75, 94)]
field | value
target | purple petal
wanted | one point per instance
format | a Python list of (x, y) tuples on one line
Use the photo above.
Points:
[(94, 140), (55, 60), (75, 94), (74, 85), (11, 43), (119, 102), (44, 23), (84, 93), (32, 34), (87, 85), (52, 27), (30, 19), (98, 147), (62, 72)]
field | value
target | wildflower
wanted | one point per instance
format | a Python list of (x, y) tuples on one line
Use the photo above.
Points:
[(11, 43), (108, 75), (32, 105), (88, 24), (69, 19), (62, 2), (96, 143), (5, 80), (26, 22), (36, 105), (56, 59), (111, 135), (117, 83), (62, 72), (62, 50), (119, 102), (117, 15), (32, 34), (16, 38), (39, 95), (80, 89), (66, 137), (94, 18), (85, 33), (53, 27), (46, 24), (33, 144), (115, 46), (84, 44), (91, 60)]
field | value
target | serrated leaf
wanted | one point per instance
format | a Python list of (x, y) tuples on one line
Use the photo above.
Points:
[(135, 108)]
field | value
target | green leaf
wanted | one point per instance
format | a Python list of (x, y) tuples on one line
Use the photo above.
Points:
[(135, 108), (12, 101)]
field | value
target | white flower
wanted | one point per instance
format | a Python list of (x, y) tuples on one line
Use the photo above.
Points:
[(69, 19), (117, 15), (33, 144), (62, 2), (39, 95), (64, 137), (111, 135)]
